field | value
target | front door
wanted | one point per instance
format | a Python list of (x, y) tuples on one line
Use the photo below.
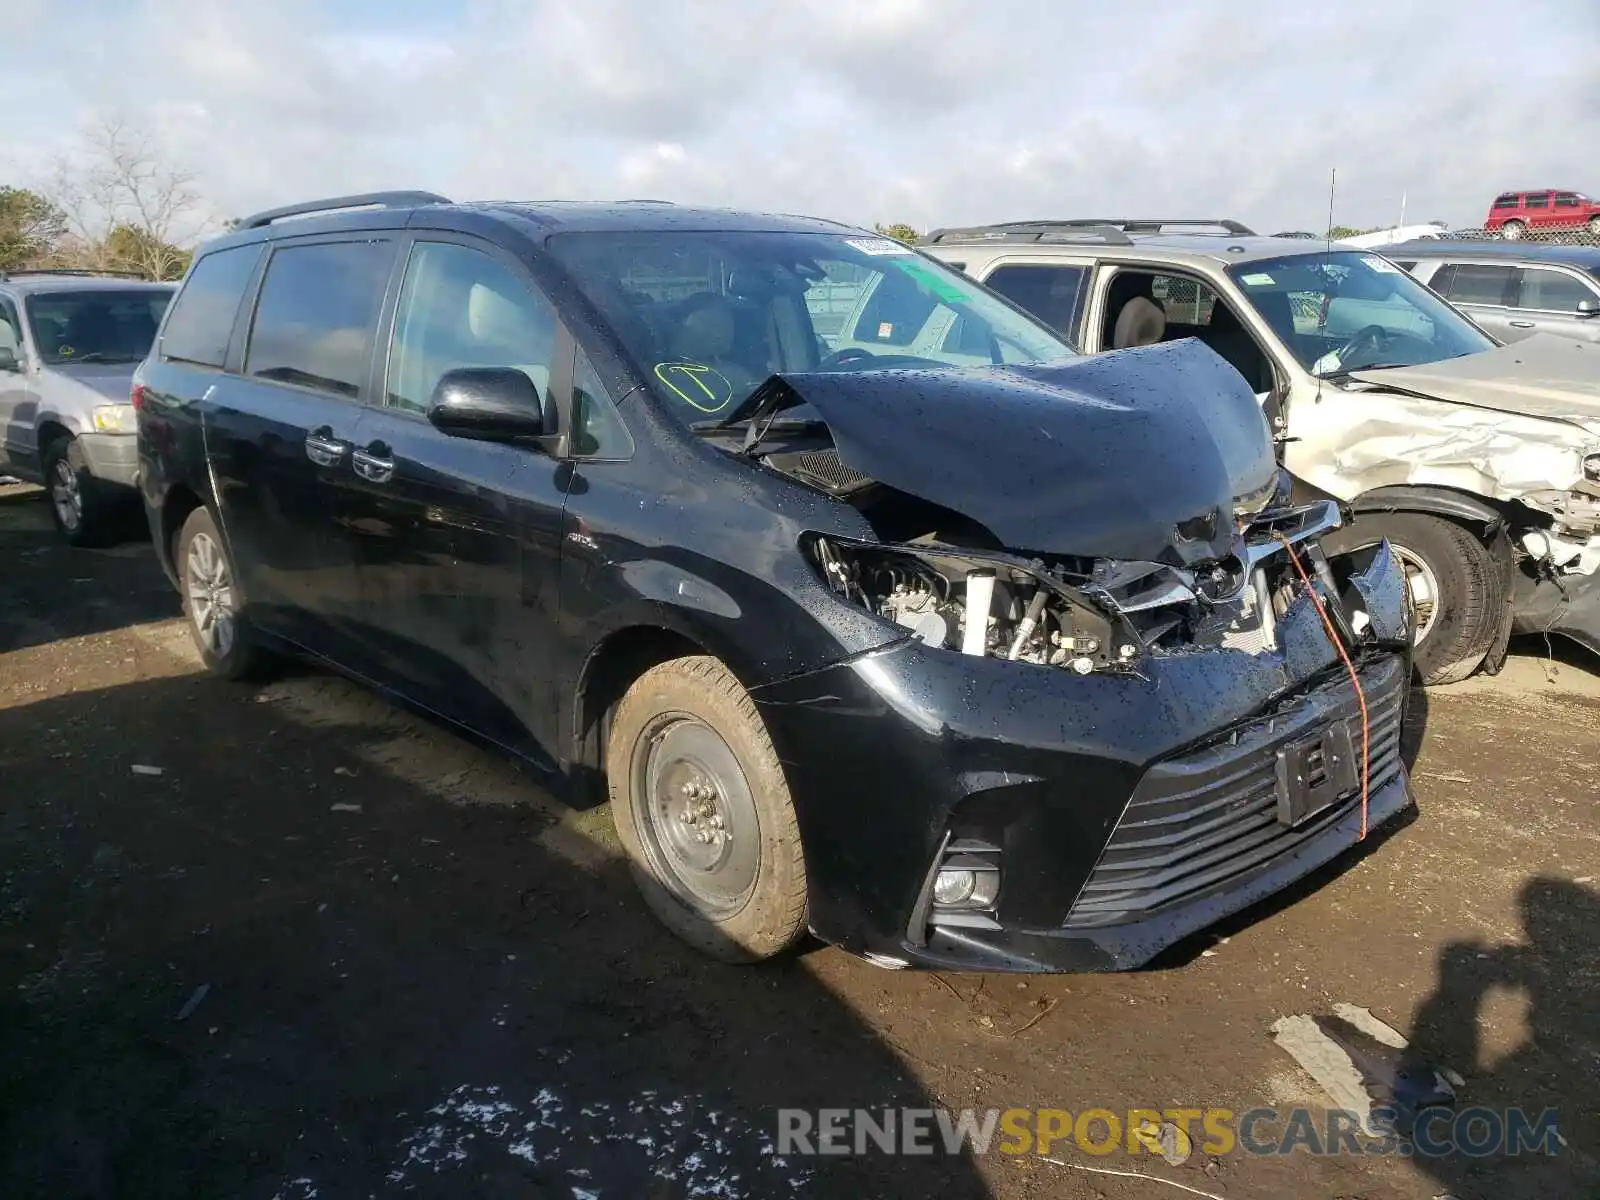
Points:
[(17, 449), (280, 436), (1547, 302), (1485, 292), (459, 540)]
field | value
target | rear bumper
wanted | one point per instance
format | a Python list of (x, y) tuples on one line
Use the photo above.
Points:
[(112, 457), (1570, 608)]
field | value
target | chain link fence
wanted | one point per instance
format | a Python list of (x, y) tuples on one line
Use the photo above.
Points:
[(1560, 235)]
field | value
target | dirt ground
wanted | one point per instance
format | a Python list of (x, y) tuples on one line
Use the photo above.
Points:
[(285, 941)]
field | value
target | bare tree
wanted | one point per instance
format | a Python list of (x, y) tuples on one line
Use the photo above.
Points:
[(127, 206)]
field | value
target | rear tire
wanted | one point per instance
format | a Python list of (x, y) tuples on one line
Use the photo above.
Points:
[(700, 803), (78, 503), (213, 602), (1457, 589)]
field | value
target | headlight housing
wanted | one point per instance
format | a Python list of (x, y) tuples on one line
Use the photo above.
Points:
[(114, 418)]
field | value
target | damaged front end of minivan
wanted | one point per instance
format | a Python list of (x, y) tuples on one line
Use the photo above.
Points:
[(1126, 694)]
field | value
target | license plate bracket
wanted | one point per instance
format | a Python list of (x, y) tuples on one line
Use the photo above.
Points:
[(1316, 773)]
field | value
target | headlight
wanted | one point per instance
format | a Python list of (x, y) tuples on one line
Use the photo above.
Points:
[(114, 418), (1591, 467)]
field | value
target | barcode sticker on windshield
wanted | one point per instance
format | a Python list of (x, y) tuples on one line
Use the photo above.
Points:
[(1259, 279), (1381, 265), (878, 245)]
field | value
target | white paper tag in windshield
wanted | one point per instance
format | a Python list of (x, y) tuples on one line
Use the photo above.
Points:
[(878, 245), (1382, 265), (1259, 279)]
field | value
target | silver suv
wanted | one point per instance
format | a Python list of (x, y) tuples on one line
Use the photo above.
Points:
[(1479, 462), (69, 343)]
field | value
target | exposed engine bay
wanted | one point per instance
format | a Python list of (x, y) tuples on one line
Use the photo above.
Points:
[(1088, 615)]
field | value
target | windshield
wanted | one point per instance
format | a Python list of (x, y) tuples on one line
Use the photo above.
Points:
[(95, 326), (710, 316), (1343, 311)]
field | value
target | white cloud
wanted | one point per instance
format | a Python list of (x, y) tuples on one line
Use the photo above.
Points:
[(929, 111)]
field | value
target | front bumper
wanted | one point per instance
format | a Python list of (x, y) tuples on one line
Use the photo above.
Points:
[(1570, 607), (112, 457), (1127, 811)]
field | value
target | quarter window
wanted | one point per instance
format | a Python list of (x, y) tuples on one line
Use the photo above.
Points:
[(1473, 283), (202, 317), (597, 428), (460, 307), (1552, 291), (313, 323), (1053, 294)]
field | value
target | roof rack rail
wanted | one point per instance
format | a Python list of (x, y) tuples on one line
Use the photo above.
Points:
[(80, 271), (1033, 231), (1145, 225), (339, 204)]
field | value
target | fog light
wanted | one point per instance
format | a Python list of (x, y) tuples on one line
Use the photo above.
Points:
[(954, 887)]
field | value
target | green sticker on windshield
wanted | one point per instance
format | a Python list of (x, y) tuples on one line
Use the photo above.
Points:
[(933, 281), (700, 386)]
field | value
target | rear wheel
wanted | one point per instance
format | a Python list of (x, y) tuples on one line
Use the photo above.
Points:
[(700, 804), (1513, 230), (1457, 591), (212, 600), (78, 504)]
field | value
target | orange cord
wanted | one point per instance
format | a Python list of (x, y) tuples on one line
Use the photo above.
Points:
[(1355, 680)]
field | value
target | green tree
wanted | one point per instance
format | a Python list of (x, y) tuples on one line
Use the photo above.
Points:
[(128, 248), (899, 231), (1344, 231), (30, 227)]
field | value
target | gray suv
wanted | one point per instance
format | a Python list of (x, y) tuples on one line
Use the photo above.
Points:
[(69, 342), (1514, 291)]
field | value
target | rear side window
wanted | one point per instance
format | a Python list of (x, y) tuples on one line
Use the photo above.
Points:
[(1053, 294), (1473, 283), (1552, 291), (202, 316), (314, 320)]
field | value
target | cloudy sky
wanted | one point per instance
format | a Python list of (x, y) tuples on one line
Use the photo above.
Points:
[(925, 111)]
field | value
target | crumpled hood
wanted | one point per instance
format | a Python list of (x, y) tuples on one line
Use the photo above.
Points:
[(1104, 456), (1543, 376)]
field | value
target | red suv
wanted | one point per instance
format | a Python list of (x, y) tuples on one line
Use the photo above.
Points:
[(1515, 213)]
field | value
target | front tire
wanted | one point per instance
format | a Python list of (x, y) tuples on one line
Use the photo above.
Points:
[(1513, 231), (701, 805), (78, 504), (1593, 225), (212, 601), (1457, 591)]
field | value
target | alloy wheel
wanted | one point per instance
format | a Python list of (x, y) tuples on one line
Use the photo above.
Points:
[(209, 585), (65, 495), (1423, 586)]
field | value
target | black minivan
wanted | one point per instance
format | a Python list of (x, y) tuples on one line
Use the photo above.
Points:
[(871, 606)]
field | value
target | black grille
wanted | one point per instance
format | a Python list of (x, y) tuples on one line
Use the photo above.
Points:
[(1212, 814)]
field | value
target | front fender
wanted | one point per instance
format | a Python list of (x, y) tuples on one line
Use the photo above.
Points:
[(1463, 508)]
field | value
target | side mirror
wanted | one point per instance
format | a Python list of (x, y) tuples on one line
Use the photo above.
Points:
[(493, 404), (1589, 308), (9, 360)]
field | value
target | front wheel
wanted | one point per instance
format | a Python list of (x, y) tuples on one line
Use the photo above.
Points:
[(701, 805), (1593, 225), (1513, 230), (78, 504), (1456, 589)]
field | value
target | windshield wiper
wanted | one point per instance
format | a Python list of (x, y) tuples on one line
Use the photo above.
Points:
[(1346, 372), (99, 356), (757, 429)]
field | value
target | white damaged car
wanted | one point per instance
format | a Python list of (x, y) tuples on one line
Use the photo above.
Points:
[(1479, 462)]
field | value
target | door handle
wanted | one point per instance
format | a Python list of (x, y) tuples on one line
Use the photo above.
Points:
[(324, 449), (375, 464), (1520, 324)]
